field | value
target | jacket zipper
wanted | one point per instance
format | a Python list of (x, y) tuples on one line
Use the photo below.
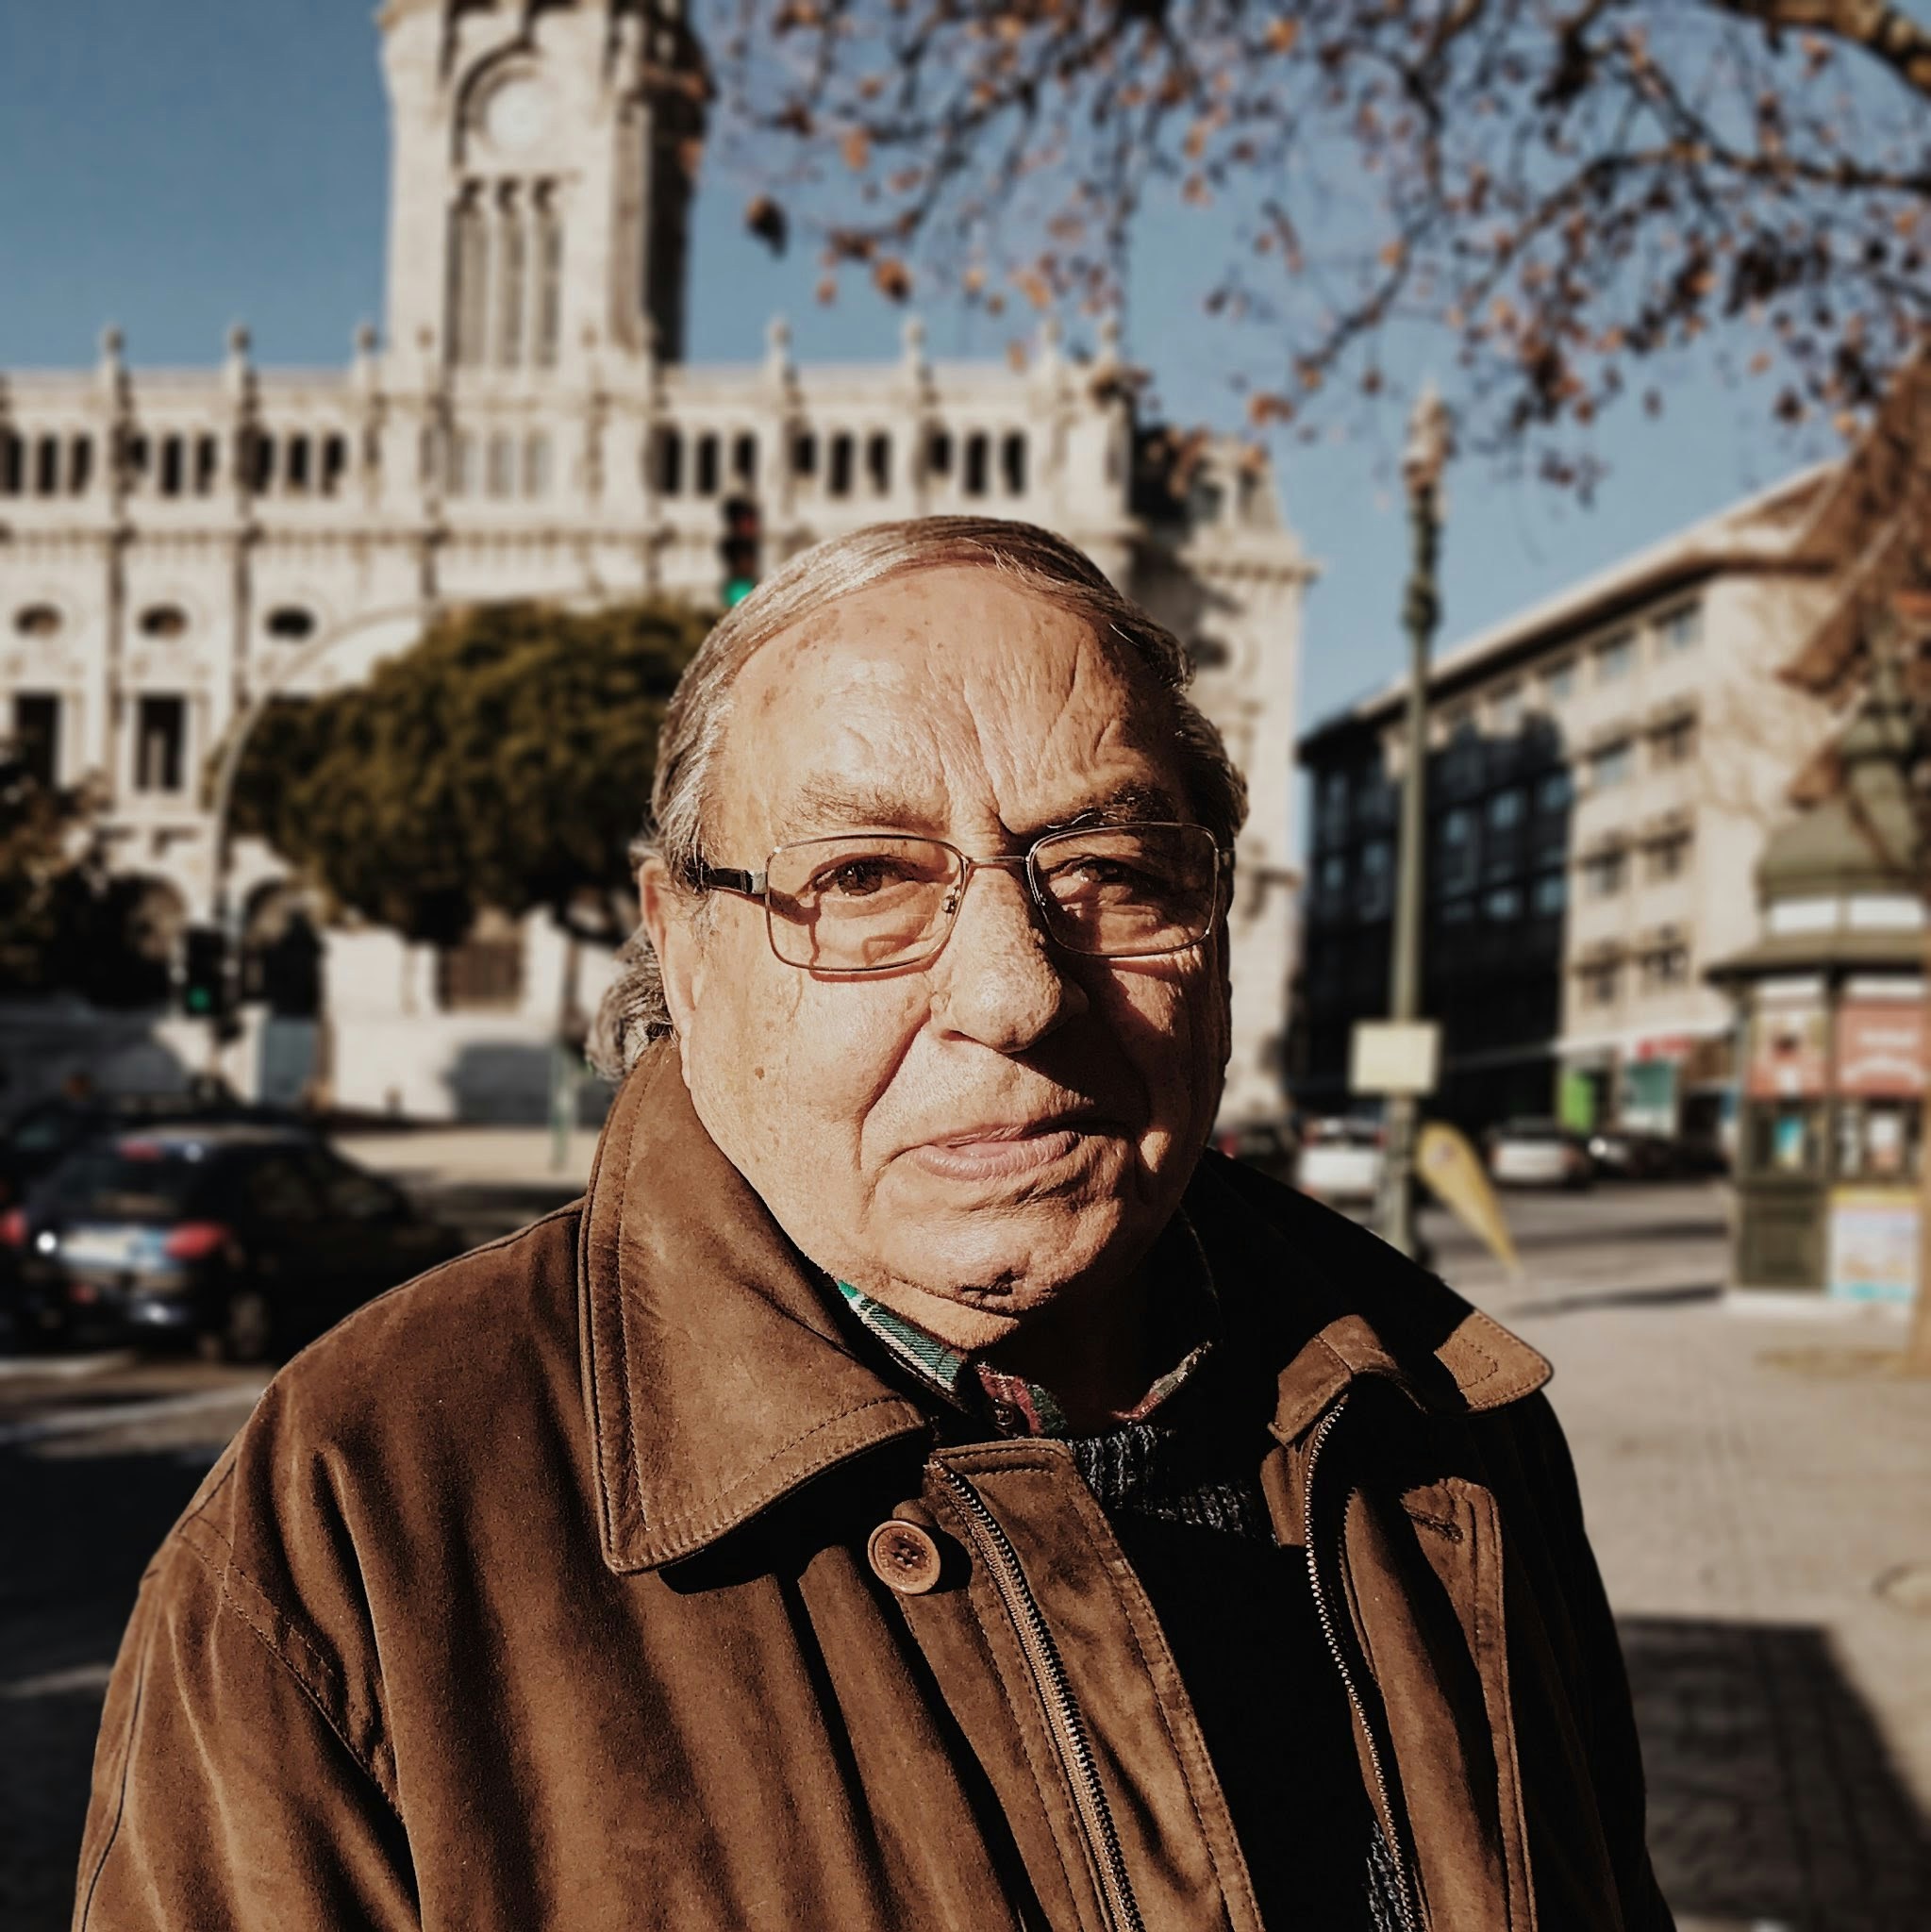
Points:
[(1405, 1897), (1064, 1718)]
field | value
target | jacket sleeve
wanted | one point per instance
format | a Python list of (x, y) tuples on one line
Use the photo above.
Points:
[(1615, 1749), (227, 1793)]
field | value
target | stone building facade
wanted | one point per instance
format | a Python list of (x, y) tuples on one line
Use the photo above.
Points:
[(1603, 770), (177, 545)]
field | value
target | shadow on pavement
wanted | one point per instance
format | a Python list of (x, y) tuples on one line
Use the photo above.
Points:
[(1772, 1798)]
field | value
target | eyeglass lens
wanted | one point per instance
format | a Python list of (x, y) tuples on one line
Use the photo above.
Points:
[(870, 900)]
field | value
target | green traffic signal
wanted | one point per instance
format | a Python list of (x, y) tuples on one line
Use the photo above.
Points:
[(736, 590)]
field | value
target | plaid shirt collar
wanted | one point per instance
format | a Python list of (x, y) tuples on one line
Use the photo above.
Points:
[(1187, 1304)]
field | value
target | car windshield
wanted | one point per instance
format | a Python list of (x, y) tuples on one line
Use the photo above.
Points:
[(132, 1180)]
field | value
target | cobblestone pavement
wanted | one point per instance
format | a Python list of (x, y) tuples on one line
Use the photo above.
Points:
[(1756, 1495)]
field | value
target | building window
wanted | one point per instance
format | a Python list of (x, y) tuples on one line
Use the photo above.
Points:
[(501, 479), (1377, 866), (38, 621), (1602, 875), (37, 737), (939, 453), (978, 459), (1209, 654), (840, 461), (1682, 628), (1334, 881), (289, 624), (13, 461), (207, 464), (297, 472), (1668, 966), (709, 455), (174, 465), (1012, 461), (878, 462), (1458, 912), (163, 622), (549, 281), (1550, 896), (255, 459), (485, 970), (469, 282), (803, 455), (334, 462), (47, 466), (1504, 810), (1555, 792), (536, 465), (1616, 657), (1612, 765), (668, 462), (1674, 744), (512, 282), (1334, 806), (1505, 711), (1457, 849), (1599, 985), (1668, 858), (1502, 905), (160, 744), (80, 465), (744, 459), (1559, 681), (463, 464)]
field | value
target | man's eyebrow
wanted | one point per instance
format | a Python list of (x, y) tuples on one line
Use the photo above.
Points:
[(1127, 805), (831, 804)]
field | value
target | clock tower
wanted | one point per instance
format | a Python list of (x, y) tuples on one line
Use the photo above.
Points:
[(543, 154)]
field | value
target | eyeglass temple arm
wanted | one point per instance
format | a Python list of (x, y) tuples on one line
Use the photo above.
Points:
[(731, 878)]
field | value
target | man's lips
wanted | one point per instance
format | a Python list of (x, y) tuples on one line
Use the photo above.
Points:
[(996, 1150)]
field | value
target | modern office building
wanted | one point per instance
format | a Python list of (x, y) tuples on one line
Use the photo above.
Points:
[(1602, 772), (534, 422)]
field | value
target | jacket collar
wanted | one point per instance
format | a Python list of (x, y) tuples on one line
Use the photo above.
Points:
[(716, 1378)]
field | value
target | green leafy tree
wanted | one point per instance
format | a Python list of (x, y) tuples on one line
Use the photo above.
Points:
[(503, 760), (44, 844)]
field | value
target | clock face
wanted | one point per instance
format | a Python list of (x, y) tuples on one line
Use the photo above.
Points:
[(518, 115)]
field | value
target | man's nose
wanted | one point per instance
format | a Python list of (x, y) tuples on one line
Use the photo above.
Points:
[(1000, 979)]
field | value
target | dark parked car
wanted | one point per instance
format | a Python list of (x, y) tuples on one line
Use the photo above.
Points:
[(1622, 1153), (245, 1240), (37, 1139)]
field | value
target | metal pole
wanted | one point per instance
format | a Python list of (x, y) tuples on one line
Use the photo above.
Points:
[(1426, 453)]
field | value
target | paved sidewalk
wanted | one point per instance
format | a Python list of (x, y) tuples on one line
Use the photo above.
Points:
[(475, 1156), (1756, 1492)]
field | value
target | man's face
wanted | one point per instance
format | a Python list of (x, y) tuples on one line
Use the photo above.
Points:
[(970, 1138)]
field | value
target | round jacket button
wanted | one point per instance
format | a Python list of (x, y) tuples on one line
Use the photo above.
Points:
[(904, 1555)]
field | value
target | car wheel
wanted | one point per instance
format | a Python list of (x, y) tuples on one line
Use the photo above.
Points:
[(247, 1329)]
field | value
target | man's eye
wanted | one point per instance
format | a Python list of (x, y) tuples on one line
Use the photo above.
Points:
[(857, 879)]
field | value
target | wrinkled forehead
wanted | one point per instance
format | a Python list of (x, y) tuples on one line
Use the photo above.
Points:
[(951, 701)]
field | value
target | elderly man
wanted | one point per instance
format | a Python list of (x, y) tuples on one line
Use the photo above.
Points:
[(917, 1487)]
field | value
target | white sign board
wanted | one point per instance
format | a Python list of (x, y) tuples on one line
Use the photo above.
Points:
[(1395, 1056)]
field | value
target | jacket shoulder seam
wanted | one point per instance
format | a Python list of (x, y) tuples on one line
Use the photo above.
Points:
[(238, 1591)]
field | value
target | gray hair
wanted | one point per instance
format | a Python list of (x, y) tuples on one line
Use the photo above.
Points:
[(633, 1011)]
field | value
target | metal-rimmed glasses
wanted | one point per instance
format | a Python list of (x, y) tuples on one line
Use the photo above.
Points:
[(868, 902)]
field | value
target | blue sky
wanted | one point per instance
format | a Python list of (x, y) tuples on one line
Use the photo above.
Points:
[(177, 167)]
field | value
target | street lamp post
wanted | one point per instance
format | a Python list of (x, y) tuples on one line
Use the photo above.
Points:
[(1423, 462)]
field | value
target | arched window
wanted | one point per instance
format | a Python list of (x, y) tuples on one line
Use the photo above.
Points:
[(208, 462), (173, 474), (803, 455), (667, 462), (38, 621), (289, 624), (745, 459), (335, 463), (255, 454), (705, 482), (1012, 460), (12, 463), (979, 454), (549, 302), (512, 276), (878, 462), (939, 453), (469, 281), (139, 454), (80, 465), (298, 473), (47, 466), (837, 478)]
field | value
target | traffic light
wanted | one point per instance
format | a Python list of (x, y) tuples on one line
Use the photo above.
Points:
[(740, 548), (205, 990)]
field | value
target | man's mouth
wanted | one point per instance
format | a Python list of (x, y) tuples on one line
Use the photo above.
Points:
[(1002, 1150)]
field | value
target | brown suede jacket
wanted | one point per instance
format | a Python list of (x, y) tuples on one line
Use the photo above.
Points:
[(594, 1581)]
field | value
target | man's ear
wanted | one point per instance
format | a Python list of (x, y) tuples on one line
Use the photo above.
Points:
[(670, 917)]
